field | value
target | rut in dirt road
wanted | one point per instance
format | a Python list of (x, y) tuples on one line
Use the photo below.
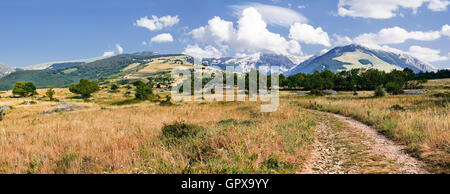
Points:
[(344, 145)]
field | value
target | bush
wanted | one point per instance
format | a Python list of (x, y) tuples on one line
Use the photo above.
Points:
[(442, 95), (143, 92), (316, 92), (24, 89), (114, 87), (50, 92), (167, 101), (179, 130), (126, 102), (85, 88), (379, 92), (394, 88), (397, 107)]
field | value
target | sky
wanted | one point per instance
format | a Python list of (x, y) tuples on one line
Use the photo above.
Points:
[(38, 31)]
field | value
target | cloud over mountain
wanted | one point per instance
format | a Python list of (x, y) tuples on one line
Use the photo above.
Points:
[(426, 54), (251, 35), (308, 34), (396, 35), (207, 52)]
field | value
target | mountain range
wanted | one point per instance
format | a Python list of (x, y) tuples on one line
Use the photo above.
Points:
[(337, 59), (5, 69), (62, 74), (67, 73)]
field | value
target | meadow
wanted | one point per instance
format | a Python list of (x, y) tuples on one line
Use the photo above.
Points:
[(207, 137), (421, 122), (211, 137)]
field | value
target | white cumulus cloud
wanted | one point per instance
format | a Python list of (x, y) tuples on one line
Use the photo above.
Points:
[(272, 15), (119, 49), (445, 30), (249, 35), (157, 23), (253, 35), (426, 54), (384, 9), (165, 37), (395, 35), (339, 40), (438, 5), (308, 34), (207, 52), (216, 30), (108, 53)]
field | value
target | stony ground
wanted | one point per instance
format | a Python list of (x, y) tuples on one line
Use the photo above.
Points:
[(346, 146)]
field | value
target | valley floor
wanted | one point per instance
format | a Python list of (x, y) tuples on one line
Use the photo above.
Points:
[(113, 134)]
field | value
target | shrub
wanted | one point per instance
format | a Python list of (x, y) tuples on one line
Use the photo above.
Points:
[(167, 101), (316, 92), (143, 92), (397, 107), (24, 89), (50, 92), (442, 95), (379, 92), (180, 130), (126, 102), (85, 88), (394, 88), (114, 87)]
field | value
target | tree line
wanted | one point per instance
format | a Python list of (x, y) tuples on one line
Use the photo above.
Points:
[(351, 80)]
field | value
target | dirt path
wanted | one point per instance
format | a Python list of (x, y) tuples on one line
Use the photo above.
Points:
[(344, 145)]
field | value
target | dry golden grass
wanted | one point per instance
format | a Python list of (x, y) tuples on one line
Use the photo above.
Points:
[(237, 138), (423, 126), (438, 82), (159, 65)]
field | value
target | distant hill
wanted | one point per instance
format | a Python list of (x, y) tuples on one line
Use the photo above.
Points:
[(254, 61), (51, 65), (65, 74), (358, 56), (337, 59), (5, 70)]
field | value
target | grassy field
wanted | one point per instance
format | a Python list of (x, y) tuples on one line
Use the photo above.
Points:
[(421, 122), (206, 137), (102, 138)]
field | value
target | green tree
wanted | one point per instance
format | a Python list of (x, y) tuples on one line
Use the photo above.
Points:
[(379, 92), (24, 89), (143, 92), (50, 92), (373, 78), (85, 88), (409, 74), (316, 92), (296, 80), (394, 88)]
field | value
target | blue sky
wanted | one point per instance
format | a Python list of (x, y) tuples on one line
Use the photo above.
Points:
[(33, 32)]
